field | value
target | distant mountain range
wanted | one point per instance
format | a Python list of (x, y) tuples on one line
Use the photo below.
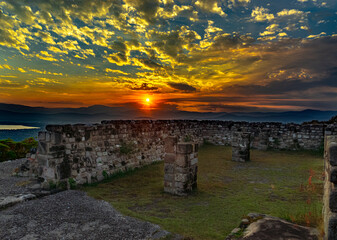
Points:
[(10, 113)]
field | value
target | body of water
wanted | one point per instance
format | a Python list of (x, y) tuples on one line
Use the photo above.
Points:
[(16, 127), (19, 132)]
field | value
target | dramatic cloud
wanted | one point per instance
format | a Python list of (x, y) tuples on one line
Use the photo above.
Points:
[(182, 86), (144, 87), (198, 55)]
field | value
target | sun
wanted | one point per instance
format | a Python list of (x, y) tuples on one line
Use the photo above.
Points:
[(147, 100)]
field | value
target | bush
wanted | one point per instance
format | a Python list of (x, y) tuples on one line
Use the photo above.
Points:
[(126, 148), (11, 155), (10, 149), (72, 183)]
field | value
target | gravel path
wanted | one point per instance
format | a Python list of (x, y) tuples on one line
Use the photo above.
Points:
[(72, 215), (65, 215), (12, 185)]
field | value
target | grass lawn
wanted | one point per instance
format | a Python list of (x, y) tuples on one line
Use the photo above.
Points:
[(283, 184)]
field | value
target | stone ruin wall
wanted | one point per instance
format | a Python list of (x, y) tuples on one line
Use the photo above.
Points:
[(330, 188), (91, 152)]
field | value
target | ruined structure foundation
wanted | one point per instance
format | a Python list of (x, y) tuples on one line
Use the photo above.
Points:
[(241, 147), (180, 166)]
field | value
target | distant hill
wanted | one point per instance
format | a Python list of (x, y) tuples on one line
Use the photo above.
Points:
[(97, 113)]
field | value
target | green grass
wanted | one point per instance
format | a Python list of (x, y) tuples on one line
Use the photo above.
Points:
[(274, 183)]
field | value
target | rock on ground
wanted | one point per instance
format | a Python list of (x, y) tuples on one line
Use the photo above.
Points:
[(263, 227), (12, 185), (72, 215), (15, 189)]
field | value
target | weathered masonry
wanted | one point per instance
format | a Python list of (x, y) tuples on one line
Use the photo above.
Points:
[(241, 147), (180, 166), (330, 190), (88, 153)]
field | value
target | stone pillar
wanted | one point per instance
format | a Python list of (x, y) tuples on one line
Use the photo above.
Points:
[(180, 167), (330, 190), (241, 147)]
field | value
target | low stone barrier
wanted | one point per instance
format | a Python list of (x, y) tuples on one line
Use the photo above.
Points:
[(85, 153)]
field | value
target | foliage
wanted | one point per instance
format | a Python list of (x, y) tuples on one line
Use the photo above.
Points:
[(187, 138), (10, 149), (72, 183), (279, 183), (126, 148), (52, 184), (105, 174), (206, 142)]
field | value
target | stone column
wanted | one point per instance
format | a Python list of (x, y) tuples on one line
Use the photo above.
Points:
[(241, 147), (180, 167), (330, 190)]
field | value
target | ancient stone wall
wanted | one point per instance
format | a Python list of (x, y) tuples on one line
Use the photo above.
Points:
[(330, 190), (88, 153)]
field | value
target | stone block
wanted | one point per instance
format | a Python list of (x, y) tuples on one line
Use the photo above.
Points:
[(182, 160), (241, 147), (42, 160), (181, 169), (169, 190), (170, 144), (55, 138), (169, 177), (333, 175), (42, 136), (184, 148), (48, 173), (168, 168), (170, 157), (196, 147), (333, 200), (47, 137), (42, 147), (194, 161), (181, 185), (332, 153), (168, 184), (331, 227), (179, 177)]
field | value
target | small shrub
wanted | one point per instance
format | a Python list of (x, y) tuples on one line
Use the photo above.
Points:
[(105, 174), (10, 149), (187, 138), (321, 149), (11, 155), (52, 185), (72, 183), (126, 148), (206, 142), (62, 185)]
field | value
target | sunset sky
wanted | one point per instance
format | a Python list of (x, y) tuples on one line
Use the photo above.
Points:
[(199, 55)]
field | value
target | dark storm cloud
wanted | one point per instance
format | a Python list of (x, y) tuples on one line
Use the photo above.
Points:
[(182, 87), (150, 63), (145, 87), (231, 41), (147, 8), (119, 46)]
